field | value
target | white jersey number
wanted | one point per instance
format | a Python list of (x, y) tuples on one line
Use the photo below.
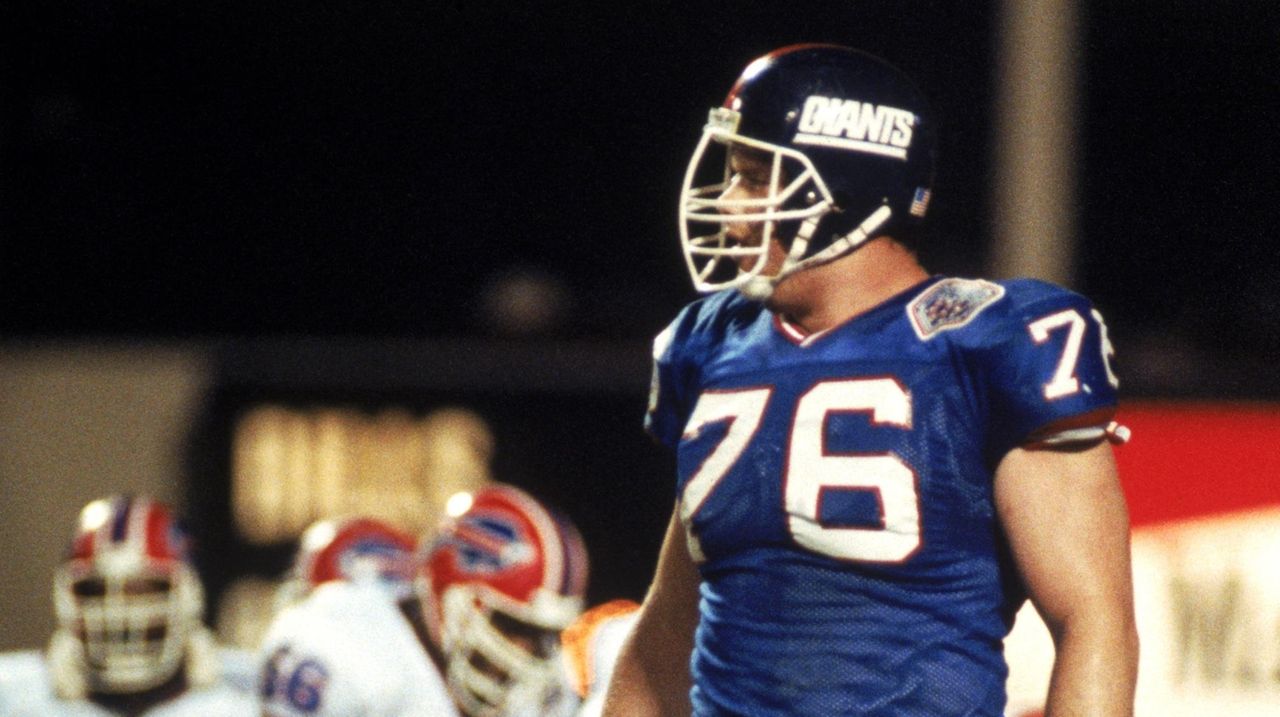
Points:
[(811, 470), (1064, 381), (743, 411)]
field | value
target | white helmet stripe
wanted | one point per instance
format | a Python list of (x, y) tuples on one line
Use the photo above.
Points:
[(138, 511), (553, 556)]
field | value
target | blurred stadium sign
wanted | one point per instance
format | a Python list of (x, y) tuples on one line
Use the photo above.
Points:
[(293, 466)]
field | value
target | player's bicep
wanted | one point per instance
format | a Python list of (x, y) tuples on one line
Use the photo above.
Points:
[(676, 580), (1065, 517), (652, 673)]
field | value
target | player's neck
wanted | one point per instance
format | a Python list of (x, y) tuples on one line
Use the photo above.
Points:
[(826, 296)]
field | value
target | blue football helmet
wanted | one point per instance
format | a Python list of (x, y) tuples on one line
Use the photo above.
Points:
[(851, 145)]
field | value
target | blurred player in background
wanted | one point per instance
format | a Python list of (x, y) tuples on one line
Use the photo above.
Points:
[(479, 636), (875, 465), (359, 549), (130, 638)]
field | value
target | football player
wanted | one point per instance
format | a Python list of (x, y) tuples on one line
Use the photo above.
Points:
[(350, 548), (875, 465), (129, 637), (478, 636)]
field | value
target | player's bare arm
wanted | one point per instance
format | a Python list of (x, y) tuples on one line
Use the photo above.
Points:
[(1068, 528), (652, 675)]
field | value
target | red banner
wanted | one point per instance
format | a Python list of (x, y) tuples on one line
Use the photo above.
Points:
[(1192, 460)]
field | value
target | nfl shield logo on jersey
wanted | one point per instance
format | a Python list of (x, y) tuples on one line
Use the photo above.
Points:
[(950, 304)]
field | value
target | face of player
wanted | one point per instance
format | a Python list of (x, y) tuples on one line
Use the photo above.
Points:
[(146, 591), (750, 178), (536, 641), (504, 667), (131, 643)]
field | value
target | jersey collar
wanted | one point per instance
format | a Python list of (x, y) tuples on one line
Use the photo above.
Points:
[(796, 334)]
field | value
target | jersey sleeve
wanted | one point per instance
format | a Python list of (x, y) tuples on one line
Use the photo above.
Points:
[(1048, 368), (219, 700), (25, 688), (669, 389)]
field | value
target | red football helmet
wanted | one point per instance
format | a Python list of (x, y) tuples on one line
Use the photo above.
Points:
[(498, 584), (356, 549), (127, 599)]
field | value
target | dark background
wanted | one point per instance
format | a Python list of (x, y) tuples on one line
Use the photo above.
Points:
[(181, 170), (331, 168)]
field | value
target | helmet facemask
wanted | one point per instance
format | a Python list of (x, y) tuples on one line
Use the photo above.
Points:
[(133, 625), (498, 663), (798, 199), (497, 585)]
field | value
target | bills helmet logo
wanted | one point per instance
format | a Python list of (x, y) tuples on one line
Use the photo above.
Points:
[(389, 560), (489, 543), (355, 548), (511, 545)]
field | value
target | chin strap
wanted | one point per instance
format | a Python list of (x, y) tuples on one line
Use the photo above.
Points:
[(760, 288)]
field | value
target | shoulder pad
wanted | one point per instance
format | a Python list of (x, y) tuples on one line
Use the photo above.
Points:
[(951, 304), (578, 642)]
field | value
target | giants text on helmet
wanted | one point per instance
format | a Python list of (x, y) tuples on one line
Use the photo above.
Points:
[(854, 125)]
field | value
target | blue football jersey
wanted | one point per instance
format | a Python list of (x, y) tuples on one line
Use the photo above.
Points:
[(837, 489)]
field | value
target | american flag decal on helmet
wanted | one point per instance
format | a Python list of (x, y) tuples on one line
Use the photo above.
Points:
[(920, 202)]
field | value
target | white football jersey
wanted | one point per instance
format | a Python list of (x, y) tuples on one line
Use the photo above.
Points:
[(348, 651), (26, 691)]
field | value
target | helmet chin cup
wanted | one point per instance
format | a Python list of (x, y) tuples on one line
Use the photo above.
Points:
[(756, 288)]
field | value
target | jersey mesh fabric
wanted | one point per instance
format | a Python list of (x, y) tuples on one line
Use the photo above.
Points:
[(789, 629)]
